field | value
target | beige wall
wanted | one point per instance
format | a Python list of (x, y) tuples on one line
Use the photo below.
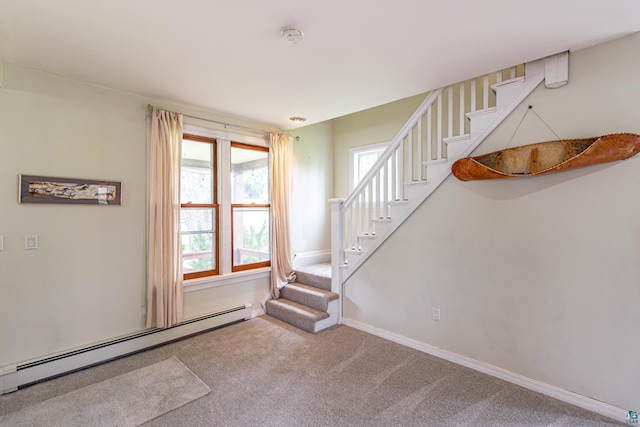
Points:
[(538, 276), (86, 282), (312, 187)]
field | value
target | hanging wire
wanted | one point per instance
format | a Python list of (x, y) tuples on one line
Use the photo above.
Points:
[(522, 120)]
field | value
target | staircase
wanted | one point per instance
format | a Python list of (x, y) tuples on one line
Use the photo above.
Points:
[(449, 124), (308, 303)]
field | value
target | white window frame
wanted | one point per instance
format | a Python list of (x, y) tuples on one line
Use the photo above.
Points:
[(223, 146), (356, 151)]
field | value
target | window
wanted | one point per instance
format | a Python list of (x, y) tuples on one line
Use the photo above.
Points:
[(225, 206), (250, 206), (199, 207), (362, 158)]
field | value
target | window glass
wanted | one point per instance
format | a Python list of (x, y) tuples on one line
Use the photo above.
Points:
[(199, 211), (249, 176), (250, 209), (196, 178), (198, 239), (362, 159), (250, 235)]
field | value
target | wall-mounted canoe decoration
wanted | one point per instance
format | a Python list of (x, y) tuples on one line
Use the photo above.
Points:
[(547, 157)]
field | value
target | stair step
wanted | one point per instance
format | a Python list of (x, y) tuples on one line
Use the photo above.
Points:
[(481, 120), (308, 295), (516, 80), (456, 146), (507, 91), (396, 207), (295, 314), (365, 241), (436, 167), (352, 255), (316, 275), (471, 114), (381, 225), (451, 139), (414, 189)]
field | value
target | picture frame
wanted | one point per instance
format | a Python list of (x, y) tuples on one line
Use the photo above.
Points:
[(45, 189)]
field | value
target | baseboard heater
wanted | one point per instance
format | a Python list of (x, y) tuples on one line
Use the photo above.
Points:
[(29, 372)]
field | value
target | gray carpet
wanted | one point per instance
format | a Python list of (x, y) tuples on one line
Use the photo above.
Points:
[(263, 372), (129, 399)]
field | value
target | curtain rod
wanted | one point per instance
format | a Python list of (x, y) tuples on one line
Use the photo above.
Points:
[(219, 122)]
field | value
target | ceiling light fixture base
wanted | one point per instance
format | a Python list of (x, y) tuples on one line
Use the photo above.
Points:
[(291, 35)]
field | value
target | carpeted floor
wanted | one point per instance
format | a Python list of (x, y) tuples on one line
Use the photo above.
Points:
[(263, 372), (130, 399)]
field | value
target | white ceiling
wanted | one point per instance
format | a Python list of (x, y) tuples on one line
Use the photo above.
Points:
[(227, 55)]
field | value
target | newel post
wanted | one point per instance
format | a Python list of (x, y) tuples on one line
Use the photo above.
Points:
[(337, 249)]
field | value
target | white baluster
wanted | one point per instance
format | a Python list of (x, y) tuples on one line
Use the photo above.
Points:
[(429, 134), (401, 149), (394, 175), (473, 95), (410, 154), (363, 212), (461, 109), (369, 208), (419, 141), (356, 222), (378, 197), (386, 189), (353, 225), (439, 129), (450, 115), (485, 92), (347, 227)]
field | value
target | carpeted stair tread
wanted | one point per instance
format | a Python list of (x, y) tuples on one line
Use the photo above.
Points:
[(308, 295), (316, 275), (295, 314)]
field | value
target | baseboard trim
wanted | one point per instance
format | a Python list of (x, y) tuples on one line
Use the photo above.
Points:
[(33, 371), (257, 312), (578, 400), (308, 258)]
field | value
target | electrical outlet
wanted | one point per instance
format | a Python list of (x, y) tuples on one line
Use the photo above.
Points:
[(143, 312), (1, 243), (31, 241), (435, 314)]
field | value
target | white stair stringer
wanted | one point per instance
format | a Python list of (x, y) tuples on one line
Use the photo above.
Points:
[(333, 319), (509, 94)]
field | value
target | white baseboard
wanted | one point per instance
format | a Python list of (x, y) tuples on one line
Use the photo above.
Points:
[(35, 370), (307, 258), (584, 402), (257, 312)]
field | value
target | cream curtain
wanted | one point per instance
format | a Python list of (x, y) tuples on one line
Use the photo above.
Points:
[(164, 251), (280, 158)]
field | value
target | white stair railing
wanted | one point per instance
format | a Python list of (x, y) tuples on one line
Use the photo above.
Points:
[(419, 146)]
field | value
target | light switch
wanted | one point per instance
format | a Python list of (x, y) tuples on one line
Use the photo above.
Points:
[(31, 241), (1, 243)]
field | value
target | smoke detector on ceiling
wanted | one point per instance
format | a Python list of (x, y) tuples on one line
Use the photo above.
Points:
[(291, 35)]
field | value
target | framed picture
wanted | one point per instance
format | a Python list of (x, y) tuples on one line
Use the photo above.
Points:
[(45, 189)]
